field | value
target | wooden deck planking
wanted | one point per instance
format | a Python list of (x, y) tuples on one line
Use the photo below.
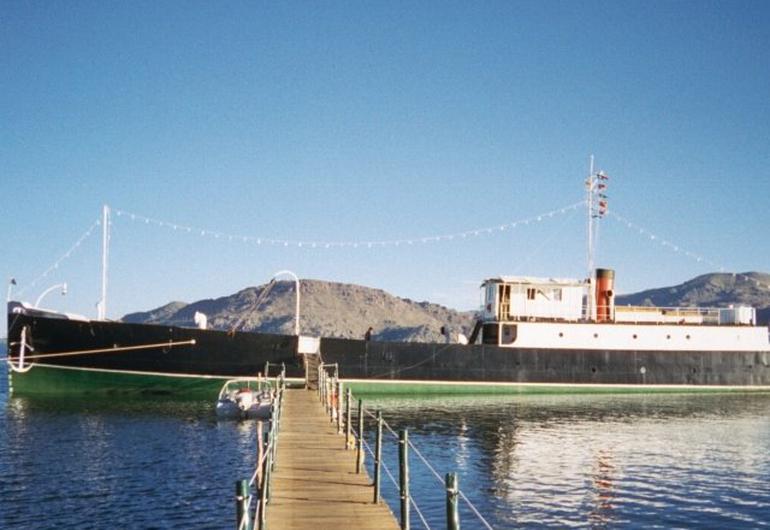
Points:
[(315, 484)]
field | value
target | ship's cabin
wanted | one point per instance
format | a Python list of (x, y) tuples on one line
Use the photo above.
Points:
[(511, 298)]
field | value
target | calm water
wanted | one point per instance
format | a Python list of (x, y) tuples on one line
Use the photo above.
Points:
[(603, 462)]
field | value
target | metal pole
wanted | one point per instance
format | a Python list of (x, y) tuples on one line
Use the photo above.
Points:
[(403, 476), (296, 286), (348, 423), (242, 505), (360, 444), (590, 206), (102, 311), (452, 491), (378, 458)]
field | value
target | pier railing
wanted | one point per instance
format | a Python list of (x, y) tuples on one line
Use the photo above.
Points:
[(330, 392), (252, 496)]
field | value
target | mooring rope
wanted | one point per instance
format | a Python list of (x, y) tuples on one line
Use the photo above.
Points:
[(169, 344)]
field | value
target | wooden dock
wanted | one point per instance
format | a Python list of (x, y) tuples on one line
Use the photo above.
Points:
[(315, 484)]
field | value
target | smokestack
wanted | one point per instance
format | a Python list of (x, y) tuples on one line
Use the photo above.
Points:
[(605, 295)]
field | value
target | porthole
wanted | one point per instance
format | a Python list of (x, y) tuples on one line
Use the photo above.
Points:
[(596, 335), (642, 370), (687, 337), (593, 369), (561, 334), (668, 337), (635, 335)]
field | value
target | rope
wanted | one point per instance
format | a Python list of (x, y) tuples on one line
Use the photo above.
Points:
[(106, 350)]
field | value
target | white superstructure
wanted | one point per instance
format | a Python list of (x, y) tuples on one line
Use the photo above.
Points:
[(554, 313)]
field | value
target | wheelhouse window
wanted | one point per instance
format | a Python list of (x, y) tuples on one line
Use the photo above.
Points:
[(531, 293)]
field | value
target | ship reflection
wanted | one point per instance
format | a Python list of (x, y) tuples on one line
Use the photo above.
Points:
[(604, 488)]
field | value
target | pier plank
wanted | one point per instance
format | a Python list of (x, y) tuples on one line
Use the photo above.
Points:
[(314, 483)]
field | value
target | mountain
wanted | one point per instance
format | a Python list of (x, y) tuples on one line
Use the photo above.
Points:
[(710, 290), (327, 309), (330, 309)]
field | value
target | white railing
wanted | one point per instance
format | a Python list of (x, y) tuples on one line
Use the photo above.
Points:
[(648, 314)]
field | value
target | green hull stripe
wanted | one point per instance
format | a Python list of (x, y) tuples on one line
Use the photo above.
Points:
[(52, 380), (46, 380), (385, 387)]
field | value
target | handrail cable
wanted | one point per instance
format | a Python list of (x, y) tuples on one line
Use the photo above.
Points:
[(441, 481), (438, 477), (411, 499)]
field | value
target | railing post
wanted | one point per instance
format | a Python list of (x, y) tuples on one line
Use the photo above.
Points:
[(348, 423), (403, 476), (339, 407), (267, 472), (242, 505), (328, 400), (264, 492), (273, 440), (378, 458), (452, 491), (360, 443), (260, 452)]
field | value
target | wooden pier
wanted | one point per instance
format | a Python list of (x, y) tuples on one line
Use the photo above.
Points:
[(315, 484)]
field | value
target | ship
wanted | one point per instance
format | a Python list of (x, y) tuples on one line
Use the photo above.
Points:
[(532, 335)]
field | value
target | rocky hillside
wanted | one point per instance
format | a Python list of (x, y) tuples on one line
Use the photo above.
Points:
[(328, 309), (711, 290)]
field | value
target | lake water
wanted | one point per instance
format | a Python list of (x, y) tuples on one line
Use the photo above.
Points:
[(558, 461)]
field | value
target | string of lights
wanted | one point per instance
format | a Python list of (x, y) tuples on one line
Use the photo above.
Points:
[(681, 250), (62, 258), (318, 244)]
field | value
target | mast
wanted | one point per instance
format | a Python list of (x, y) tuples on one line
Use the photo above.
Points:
[(590, 257), (590, 211), (596, 206), (102, 306)]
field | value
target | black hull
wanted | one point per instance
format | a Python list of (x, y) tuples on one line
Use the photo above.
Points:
[(215, 353), (222, 354)]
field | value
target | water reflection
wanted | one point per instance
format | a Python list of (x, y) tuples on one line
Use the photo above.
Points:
[(600, 461)]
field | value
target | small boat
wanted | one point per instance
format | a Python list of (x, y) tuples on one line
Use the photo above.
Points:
[(245, 398)]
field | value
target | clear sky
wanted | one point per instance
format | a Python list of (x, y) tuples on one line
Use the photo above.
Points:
[(378, 121)]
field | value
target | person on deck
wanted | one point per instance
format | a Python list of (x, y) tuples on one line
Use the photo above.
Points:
[(368, 334)]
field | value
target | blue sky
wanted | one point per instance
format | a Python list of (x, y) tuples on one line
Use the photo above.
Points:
[(362, 121)]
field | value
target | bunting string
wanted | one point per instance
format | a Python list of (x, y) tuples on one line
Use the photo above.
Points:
[(62, 258), (681, 250), (318, 244)]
